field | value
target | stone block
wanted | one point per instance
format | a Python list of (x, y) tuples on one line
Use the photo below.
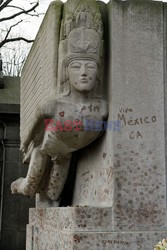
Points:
[(126, 170), (73, 218), (83, 228)]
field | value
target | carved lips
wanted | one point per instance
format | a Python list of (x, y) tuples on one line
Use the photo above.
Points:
[(84, 80)]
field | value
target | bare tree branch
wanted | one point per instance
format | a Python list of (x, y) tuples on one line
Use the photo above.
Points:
[(8, 32), (15, 40), (14, 7), (5, 4), (19, 8), (11, 44), (20, 13), (14, 57)]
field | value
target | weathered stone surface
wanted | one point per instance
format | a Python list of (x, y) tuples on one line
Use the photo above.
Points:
[(127, 169), (60, 126), (139, 150), (83, 228), (124, 174), (73, 218)]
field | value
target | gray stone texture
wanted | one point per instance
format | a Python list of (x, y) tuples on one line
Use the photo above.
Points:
[(124, 174), (80, 98), (138, 84), (127, 170), (39, 74), (83, 228)]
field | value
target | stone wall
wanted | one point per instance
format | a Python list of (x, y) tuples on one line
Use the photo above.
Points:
[(39, 74), (127, 169)]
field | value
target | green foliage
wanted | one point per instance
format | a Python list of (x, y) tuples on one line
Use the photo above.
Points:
[(162, 245)]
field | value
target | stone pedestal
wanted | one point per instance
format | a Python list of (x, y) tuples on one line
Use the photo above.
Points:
[(82, 228)]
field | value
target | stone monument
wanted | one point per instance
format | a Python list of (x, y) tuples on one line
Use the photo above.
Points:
[(66, 115), (91, 61)]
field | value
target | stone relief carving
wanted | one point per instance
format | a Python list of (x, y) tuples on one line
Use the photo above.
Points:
[(68, 24), (83, 16), (98, 24), (81, 98)]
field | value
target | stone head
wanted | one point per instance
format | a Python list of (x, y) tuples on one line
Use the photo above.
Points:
[(82, 74), (83, 7)]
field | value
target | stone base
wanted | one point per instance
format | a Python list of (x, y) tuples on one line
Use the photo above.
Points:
[(83, 228)]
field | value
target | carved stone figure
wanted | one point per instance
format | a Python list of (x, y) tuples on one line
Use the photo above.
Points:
[(68, 24), (98, 24), (84, 17), (60, 123)]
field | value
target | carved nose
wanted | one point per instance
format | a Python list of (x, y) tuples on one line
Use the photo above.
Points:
[(83, 71)]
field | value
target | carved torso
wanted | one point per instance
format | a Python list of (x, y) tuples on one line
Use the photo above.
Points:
[(75, 120)]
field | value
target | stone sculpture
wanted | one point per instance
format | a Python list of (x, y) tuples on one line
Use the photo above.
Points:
[(64, 115)]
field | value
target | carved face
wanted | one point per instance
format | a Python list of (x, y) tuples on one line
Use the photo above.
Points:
[(82, 74)]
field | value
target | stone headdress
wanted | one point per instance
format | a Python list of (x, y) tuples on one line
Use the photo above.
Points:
[(81, 37)]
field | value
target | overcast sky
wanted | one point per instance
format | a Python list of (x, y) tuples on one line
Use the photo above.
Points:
[(31, 28), (32, 24)]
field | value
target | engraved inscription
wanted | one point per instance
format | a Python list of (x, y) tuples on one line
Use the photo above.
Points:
[(125, 116), (135, 135), (114, 242), (122, 116)]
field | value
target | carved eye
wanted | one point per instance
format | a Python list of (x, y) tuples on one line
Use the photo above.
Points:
[(75, 65), (91, 66)]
